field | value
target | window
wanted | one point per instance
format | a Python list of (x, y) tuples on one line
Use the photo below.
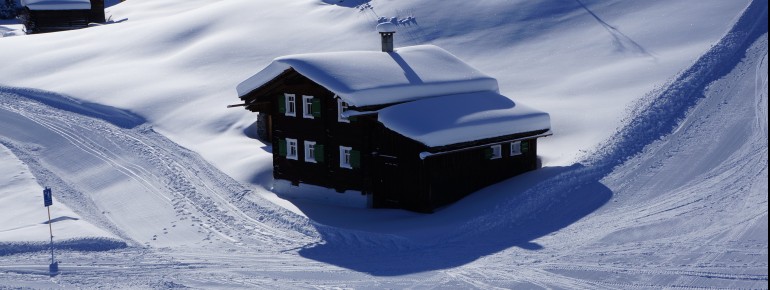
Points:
[(291, 105), (516, 148), (341, 108), (291, 149), (345, 160), (349, 158), (494, 152), (310, 153), (309, 107)]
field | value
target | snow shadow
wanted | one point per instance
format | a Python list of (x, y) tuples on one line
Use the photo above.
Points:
[(346, 3), (110, 3), (82, 245), (621, 41), (661, 111), (118, 117), (59, 219), (508, 215), (410, 74)]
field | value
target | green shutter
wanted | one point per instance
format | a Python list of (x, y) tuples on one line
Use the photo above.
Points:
[(355, 159), (524, 146), (282, 104), (316, 107), (282, 150), (319, 153), (488, 153)]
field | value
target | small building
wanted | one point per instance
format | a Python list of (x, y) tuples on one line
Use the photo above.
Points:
[(41, 16), (413, 128)]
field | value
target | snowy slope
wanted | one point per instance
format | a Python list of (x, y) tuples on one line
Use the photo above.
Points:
[(673, 191), (24, 224)]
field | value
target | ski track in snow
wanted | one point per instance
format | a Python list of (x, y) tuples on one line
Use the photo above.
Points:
[(686, 207), (159, 171)]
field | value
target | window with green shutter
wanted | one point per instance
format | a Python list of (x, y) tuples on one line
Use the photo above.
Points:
[(524, 146), (319, 153), (282, 150), (281, 104), (493, 152), (355, 159), (316, 107)]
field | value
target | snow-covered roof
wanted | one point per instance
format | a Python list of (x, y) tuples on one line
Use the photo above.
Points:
[(363, 78), (57, 4), (454, 119)]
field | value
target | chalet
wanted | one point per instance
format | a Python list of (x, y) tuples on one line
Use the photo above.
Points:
[(56, 15), (413, 128)]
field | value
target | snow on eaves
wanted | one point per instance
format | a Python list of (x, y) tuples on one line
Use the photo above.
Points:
[(364, 78), (454, 119), (57, 4)]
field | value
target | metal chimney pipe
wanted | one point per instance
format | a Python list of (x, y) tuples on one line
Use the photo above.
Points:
[(386, 30)]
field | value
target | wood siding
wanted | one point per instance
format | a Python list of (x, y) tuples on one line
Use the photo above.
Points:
[(41, 21), (324, 129), (404, 180), (391, 168)]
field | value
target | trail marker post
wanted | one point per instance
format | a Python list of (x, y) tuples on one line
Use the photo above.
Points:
[(47, 202)]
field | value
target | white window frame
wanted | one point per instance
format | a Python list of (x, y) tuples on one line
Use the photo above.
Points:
[(342, 106), (291, 149), (516, 148), (307, 107), (497, 151), (310, 152), (291, 105), (345, 161)]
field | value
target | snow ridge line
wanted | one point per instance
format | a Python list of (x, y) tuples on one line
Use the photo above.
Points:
[(652, 118), (121, 118), (661, 111)]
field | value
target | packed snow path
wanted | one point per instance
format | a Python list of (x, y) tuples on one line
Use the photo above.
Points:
[(127, 178)]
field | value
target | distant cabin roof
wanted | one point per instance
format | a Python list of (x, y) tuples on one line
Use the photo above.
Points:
[(57, 4), (364, 78), (454, 119)]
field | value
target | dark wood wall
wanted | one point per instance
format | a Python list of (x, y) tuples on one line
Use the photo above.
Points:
[(405, 180), (325, 130), (391, 167), (41, 21), (97, 11), (455, 175), (37, 21)]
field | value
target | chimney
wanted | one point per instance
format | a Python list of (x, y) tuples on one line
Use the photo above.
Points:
[(386, 30)]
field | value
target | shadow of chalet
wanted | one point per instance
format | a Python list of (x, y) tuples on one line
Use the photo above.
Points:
[(511, 214)]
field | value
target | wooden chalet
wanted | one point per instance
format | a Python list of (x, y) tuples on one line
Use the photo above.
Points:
[(41, 16), (415, 128)]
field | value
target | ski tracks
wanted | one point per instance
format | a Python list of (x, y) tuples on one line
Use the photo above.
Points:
[(211, 202)]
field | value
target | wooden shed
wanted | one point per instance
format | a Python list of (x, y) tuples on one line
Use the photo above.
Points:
[(41, 16), (415, 128)]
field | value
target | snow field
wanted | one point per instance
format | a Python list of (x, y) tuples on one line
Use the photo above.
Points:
[(676, 200)]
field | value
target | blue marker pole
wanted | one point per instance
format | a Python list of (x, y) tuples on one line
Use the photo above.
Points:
[(48, 201)]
